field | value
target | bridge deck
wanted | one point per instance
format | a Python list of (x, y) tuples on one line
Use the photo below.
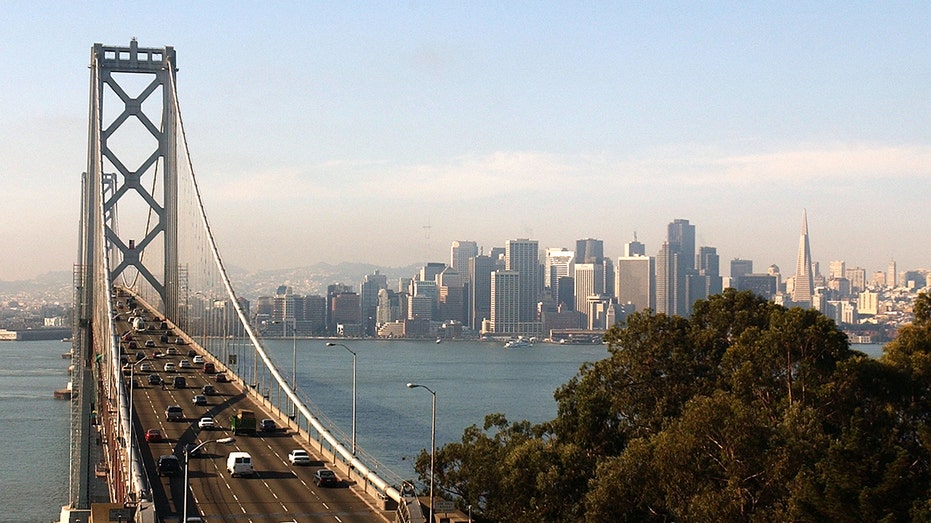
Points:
[(277, 492)]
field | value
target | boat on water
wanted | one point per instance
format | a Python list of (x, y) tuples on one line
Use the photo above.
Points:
[(518, 344)]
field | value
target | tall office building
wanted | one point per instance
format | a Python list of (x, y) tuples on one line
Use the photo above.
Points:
[(709, 271), (459, 255), (674, 264), (740, 268), (369, 287), (557, 264), (681, 238), (857, 277), (480, 269), (634, 248), (804, 279), (635, 282), (589, 250), (837, 269), (589, 282), (505, 305), (522, 256), (891, 279)]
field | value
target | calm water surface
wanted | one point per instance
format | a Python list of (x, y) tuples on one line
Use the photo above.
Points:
[(34, 431)]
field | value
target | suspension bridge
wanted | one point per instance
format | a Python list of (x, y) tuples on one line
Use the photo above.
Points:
[(149, 281)]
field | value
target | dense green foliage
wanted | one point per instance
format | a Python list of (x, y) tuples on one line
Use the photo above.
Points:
[(746, 411)]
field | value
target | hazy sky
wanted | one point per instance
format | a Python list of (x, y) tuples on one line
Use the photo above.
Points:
[(341, 131)]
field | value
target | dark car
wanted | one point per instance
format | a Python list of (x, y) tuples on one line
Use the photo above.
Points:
[(268, 425), (209, 368), (155, 379), (209, 390), (325, 478), (221, 378), (163, 338), (168, 465), (174, 413), (180, 382), (200, 399)]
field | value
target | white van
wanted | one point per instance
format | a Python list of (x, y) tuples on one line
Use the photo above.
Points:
[(239, 463)]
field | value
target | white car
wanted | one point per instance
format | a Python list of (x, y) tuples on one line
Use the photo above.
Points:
[(146, 367), (198, 360), (299, 457), (170, 367), (206, 424)]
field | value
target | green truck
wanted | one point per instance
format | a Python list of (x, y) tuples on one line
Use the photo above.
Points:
[(243, 422)]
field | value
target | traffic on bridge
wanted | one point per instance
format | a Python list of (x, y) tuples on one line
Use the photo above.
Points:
[(185, 412)]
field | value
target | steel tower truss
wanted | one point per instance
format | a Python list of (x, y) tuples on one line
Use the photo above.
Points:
[(148, 175)]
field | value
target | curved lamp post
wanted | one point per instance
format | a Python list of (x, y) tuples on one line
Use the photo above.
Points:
[(187, 457), (132, 377), (331, 344), (432, 440)]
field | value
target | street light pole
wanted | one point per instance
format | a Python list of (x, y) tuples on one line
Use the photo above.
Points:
[(132, 377), (331, 344), (187, 457), (432, 441)]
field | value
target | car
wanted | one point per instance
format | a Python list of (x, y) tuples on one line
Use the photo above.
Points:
[(168, 465), (191, 353), (206, 423), (163, 338), (268, 425), (140, 356), (179, 341), (209, 368), (174, 413), (209, 390), (220, 378), (299, 457), (200, 399), (133, 382), (146, 367), (155, 379), (198, 360), (180, 382), (149, 344), (170, 367), (153, 435), (184, 364), (325, 478), (171, 351)]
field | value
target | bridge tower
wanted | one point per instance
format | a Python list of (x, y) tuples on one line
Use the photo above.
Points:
[(132, 166), (129, 207)]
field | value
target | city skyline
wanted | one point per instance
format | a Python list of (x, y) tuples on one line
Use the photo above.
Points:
[(414, 126)]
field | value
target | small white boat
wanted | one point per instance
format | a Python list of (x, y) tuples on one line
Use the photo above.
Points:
[(518, 344)]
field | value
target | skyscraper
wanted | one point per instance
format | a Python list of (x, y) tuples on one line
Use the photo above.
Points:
[(522, 256), (368, 300), (674, 264), (459, 254), (589, 250), (804, 279), (505, 310), (557, 263), (480, 269), (634, 248), (891, 279), (589, 282), (635, 282)]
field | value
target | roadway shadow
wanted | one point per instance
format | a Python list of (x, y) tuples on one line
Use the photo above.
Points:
[(274, 474)]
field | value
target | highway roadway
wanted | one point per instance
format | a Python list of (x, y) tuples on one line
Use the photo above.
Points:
[(277, 492)]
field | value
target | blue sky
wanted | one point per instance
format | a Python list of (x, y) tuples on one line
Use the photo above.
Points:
[(366, 122)]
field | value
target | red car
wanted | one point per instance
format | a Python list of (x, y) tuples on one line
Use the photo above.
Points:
[(153, 435)]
